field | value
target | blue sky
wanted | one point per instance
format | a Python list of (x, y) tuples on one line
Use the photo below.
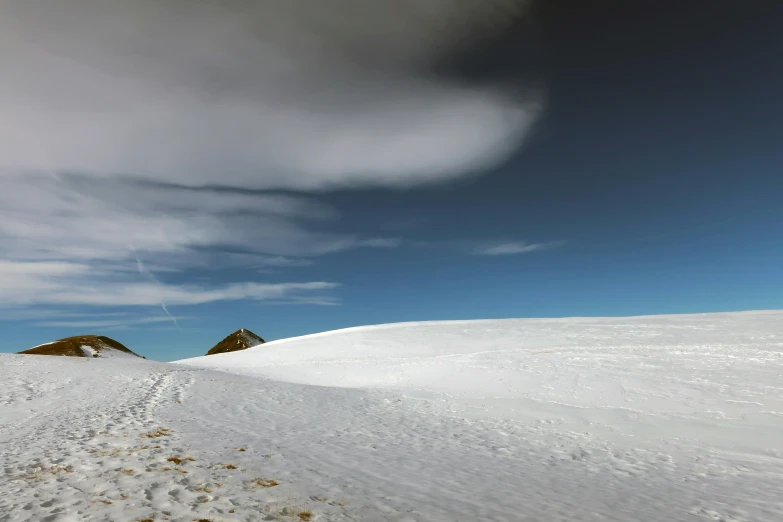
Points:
[(650, 182)]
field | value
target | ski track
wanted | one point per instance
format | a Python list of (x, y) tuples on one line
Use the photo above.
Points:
[(684, 431)]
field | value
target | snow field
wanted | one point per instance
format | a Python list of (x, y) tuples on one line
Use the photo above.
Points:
[(650, 419)]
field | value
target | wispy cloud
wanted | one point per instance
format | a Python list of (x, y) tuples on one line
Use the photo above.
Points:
[(38, 313), (514, 248), (122, 321), (66, 241), (262, 262), (67, 217), (382, 242), (48, 283), (483, 247), (95, 320), (322, 300)]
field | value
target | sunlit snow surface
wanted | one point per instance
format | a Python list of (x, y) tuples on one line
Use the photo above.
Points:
[(106, 353), (650, 419)]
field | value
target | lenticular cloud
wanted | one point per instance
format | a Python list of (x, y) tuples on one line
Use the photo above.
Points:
[(299, 94)]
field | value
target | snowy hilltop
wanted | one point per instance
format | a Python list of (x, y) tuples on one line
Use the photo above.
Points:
[(661, 419)]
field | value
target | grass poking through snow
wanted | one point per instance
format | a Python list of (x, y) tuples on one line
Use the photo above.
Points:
[(160, 432), (178, 461)]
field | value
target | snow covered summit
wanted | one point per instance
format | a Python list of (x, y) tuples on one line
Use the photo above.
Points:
[(95, 346)]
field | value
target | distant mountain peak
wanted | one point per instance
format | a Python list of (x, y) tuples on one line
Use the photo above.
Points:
[(242, 339), (94, 346)]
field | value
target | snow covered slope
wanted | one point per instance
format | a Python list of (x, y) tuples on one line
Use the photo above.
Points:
[(640, 363), (654, 419)]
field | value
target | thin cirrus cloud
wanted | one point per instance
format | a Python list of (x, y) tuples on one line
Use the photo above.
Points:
[(106, 323), (53, 283), (84, 247), (151, 129), (511, 248)]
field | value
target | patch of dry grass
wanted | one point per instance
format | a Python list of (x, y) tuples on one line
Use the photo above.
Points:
[(266, 483), (228, 466), (179, 460), (40, 470), (56, 470), (116, 452), (160, 432), (292, 510)]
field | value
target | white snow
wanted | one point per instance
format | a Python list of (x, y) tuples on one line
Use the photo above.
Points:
[(112, 353), (44, 344), (653, 418), (89, 351), (105, 352)]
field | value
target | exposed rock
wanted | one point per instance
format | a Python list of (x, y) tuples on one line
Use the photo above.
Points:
[(95, 346), (240, 340)]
